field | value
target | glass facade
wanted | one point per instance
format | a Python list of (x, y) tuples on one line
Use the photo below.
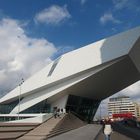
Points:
[(81, 106), (8, 118), (84, 107), (42, 107), (7, 108)]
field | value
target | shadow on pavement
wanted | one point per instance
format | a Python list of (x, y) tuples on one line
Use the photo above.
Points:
[(131, 132)]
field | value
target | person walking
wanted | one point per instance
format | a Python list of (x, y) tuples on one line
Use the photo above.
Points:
[(107, 129), (59, 113), (55, 112), (64, 111)]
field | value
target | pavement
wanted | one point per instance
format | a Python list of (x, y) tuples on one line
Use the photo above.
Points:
[(114, 136), (87, 132), (122, 132), (94, 132)]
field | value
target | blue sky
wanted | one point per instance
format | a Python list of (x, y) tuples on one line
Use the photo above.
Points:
[(84, 24), (33, 32)]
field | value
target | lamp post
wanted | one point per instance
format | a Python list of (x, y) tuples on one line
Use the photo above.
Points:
[(22, 81), (100, 112)]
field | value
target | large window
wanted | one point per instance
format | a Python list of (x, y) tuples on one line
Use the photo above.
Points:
[(7, 108), (53, 66), (42, 107), (84, 107)]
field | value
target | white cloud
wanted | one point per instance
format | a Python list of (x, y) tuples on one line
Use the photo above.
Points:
[(108, 17), (128, 4), (20, 55), (53, 15), (83, 2), (119, 4)]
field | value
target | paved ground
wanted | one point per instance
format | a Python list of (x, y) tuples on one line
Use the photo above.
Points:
[(122, 132), (90, 131), (114, 136), (87, 132)]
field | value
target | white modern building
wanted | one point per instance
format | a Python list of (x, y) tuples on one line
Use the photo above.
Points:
[(120, 105), (137, 110), (80, 79)]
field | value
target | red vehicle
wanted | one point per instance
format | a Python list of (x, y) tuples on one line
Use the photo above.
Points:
[(123, 115)]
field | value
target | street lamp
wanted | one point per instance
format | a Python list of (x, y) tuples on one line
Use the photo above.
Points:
[(100, 112), (22, 81)]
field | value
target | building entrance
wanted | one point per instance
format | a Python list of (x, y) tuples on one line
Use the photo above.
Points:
[(84, 107)]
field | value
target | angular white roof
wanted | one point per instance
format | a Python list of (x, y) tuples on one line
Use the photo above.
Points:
[(78, 65)]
